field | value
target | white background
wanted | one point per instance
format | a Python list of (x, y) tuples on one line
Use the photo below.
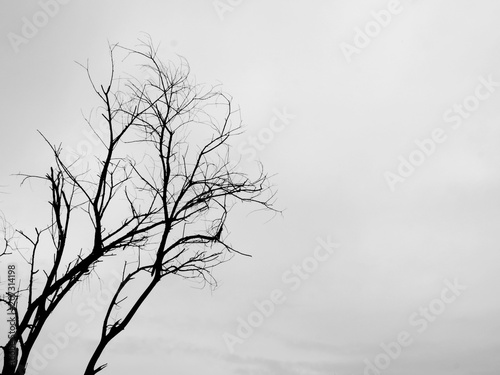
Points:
[(353, 119)]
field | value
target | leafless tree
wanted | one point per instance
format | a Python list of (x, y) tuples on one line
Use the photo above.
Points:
[(156, 200)]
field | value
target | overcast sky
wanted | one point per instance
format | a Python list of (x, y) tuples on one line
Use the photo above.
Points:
[(380, 120)]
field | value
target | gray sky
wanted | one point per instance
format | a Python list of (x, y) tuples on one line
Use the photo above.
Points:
[(386, 145)]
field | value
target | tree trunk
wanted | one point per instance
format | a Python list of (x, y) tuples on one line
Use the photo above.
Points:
[(10, 354)]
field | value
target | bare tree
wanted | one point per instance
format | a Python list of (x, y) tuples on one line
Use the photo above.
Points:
[(156, 200)]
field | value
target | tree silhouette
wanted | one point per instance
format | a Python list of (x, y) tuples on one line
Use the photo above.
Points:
[(156, 201)]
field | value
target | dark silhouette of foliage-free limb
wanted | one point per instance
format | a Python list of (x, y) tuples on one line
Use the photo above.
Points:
[(156, 198)]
